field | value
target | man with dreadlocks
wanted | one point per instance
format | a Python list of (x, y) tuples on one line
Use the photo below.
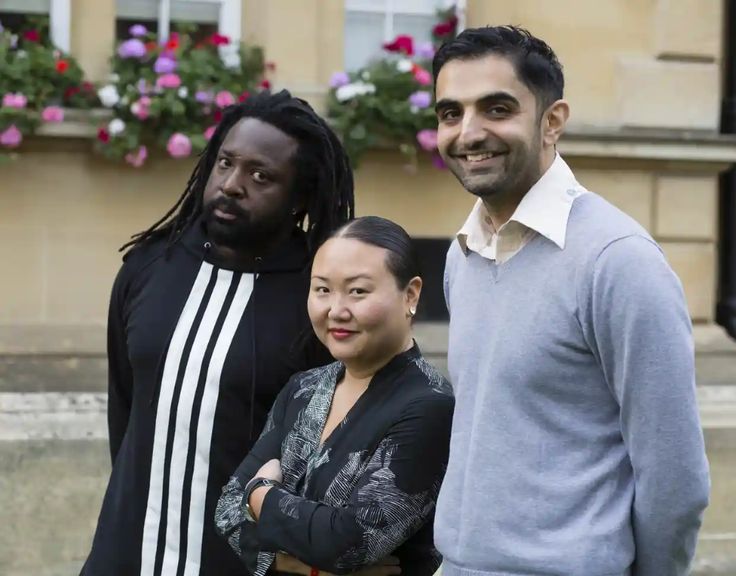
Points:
[(207, 322)]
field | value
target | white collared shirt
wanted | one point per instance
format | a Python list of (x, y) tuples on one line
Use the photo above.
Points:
[(543, 210)]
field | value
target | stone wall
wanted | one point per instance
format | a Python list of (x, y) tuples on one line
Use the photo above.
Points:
[(643, 80)]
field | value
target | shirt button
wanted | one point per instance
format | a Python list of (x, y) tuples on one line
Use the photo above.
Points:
[(572, 192)]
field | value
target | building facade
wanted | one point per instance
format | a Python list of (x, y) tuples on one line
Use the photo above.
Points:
[(644, 81)]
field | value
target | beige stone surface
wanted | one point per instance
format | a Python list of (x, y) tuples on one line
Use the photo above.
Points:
[(23, 258), (428, 202), (93, 35), (689, 28), (81, 268), (661, 94), (629, 190), (695, 264), (686, 206), (304, 39), (62, 225), (588, 38)]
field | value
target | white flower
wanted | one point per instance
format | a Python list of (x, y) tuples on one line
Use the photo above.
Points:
[(414, 109), (231, 60), (116, 126), (350, 91), (183, 92), (135, 108), (108, 96), (366, 75), (124, 100), (21, 54), (404, 65), (114, 78), (230, 56)]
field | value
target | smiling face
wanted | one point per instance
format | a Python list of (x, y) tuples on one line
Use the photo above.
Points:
[(489, 131), (356, 306), (248, 196)]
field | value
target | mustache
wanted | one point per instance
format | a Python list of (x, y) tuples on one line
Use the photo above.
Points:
[(225, 204)]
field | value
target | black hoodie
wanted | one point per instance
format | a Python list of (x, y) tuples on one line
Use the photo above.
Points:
[(186, 398)]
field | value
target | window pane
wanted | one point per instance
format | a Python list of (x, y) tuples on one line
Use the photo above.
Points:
[(187, 11), (26, 6), (419, 27), (137, 9), (366, 5), (363, 38), (415, 6)]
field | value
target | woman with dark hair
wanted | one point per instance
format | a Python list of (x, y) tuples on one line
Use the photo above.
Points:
[(347, 470)]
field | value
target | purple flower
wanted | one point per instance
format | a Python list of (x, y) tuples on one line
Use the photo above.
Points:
[(143, 87), (203, 97), (164, 65), (1, 28), (137, 30), (339, 79), (437, 161), (424, 50), (132, 48), (420, 99)]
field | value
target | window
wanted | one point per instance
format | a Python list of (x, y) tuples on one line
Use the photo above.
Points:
[(13, 14), (209, 16), (370, 23)]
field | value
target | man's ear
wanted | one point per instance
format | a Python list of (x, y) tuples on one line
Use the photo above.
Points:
[(554, 122)]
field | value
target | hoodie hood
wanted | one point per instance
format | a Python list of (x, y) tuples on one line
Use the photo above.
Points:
[(290, 256)]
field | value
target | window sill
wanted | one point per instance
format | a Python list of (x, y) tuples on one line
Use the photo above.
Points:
[(578, 142)]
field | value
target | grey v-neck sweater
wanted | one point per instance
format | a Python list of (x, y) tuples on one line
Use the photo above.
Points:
[(576, 445)]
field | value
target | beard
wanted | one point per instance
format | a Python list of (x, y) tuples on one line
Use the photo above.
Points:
[(520, 169), (242, 231)]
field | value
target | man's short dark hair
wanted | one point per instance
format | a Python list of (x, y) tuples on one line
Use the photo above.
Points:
[(535, 63)]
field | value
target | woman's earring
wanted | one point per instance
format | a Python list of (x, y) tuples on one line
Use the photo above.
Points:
[(412, 312)]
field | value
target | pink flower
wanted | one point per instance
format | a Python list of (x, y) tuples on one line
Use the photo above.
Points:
[(224, 99), (209, 132), (138, 158), (16, 100), (142, 108), (11, 137), (427, 139), (52, 114), (168, 81), (179, 145), (422, 76)]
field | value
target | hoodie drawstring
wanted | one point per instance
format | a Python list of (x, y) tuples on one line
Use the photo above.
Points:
[(253, 368)]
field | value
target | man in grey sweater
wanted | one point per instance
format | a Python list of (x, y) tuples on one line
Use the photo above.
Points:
[(576, 446)]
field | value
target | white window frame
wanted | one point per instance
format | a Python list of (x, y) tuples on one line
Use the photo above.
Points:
[(228, 24), (228, 21), (60, 23), (391, 8)]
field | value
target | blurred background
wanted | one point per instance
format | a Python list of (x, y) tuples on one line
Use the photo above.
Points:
[(106, 103)]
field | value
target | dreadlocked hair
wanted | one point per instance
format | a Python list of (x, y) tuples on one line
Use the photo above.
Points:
[(323, 180)]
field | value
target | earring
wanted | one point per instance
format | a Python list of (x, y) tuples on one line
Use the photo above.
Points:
[(412, 312)]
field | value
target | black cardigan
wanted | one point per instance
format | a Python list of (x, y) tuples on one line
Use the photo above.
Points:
[(367, 492)]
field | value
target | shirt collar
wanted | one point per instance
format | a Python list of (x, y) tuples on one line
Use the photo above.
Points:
[(545, 208)]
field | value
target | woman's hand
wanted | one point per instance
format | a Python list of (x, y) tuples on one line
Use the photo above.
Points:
[(271, 470)]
